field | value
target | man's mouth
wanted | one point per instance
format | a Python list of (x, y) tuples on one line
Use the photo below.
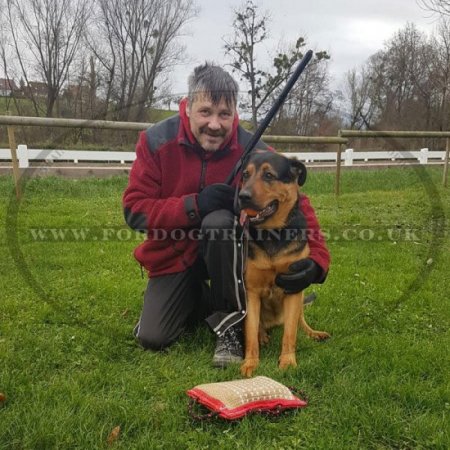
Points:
[(213, 134), (212, 137), (256, 217)]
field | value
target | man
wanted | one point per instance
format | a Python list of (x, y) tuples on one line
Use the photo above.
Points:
[(176, 187)]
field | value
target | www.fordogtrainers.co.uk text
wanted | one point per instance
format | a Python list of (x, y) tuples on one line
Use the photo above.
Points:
[(122, 234)]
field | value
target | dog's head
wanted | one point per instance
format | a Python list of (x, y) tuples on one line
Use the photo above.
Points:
[(269, 188)]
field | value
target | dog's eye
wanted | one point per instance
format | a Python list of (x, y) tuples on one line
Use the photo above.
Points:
[(269, 176), (245, 175)]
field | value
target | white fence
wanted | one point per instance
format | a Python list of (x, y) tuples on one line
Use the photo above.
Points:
[(25, 155), (349, 156)]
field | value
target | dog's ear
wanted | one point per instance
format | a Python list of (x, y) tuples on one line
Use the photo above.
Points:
[(298, 170)]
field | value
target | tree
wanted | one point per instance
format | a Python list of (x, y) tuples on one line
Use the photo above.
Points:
[(308, 105), (358, 91), (135, 44), (402, 71), (5, 54), (436, 6), (440, 77), (393, 86), (45, 37), (406, 85), (250, 30)]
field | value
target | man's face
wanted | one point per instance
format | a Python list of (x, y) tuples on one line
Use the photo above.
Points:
[(210, 124)]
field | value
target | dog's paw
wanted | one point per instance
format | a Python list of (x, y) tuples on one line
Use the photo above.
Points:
[(263, 337), (287, 360), (248, 366), (319, 335)]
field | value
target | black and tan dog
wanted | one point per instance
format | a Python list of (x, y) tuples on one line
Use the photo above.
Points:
[(269, 198)]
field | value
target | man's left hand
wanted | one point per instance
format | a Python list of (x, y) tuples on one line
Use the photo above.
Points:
[(301, 274)]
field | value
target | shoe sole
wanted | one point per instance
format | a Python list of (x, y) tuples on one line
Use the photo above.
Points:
[(221, 363)]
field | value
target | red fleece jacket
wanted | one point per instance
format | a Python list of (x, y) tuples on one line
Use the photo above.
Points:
[(161, 197)]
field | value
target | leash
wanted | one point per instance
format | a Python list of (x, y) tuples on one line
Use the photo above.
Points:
[(269, 116)]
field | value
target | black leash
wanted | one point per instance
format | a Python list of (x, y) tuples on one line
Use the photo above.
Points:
[(269, 116)]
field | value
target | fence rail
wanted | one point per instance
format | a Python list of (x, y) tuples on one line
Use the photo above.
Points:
[(21, 156), (393, 134), (26, 155), (72, 123)]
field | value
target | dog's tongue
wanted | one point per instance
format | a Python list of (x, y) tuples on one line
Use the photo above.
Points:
[(243, 218), (246, 214)]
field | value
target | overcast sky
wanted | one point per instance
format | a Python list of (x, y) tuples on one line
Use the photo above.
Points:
[(350, 30)]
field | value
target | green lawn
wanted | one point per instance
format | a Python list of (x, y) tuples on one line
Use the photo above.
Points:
[(71, 370)]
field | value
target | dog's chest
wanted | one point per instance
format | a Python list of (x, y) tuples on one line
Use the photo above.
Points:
[(275, 243), (262, 267), (261, 271)]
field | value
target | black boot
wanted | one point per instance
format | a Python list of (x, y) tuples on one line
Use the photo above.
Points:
[(229, 347)]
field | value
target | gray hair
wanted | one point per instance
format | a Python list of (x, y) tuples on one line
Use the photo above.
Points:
[(215, 82)]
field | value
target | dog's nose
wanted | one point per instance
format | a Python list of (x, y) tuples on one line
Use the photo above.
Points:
[(245, 195)]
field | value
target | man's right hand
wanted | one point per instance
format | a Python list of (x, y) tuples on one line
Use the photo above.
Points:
[(215, 196)]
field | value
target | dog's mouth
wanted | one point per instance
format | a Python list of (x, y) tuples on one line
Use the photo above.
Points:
[(257, 217)]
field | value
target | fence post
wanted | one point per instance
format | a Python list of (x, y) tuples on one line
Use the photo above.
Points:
[(15, 162), (348, 156), (22, 153), (447, 150), (423, 158), (338, 169)]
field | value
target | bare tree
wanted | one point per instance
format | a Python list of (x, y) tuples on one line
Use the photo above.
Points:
[(406, 85), (308, 104), (80, 98), (400, 90), (250, 30), (5, 54), (136, 44), (358, 87), (440, 77), (436, 6), (46, 36)]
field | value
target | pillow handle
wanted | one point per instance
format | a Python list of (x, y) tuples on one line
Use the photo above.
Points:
[(201, 417), (300, 393)]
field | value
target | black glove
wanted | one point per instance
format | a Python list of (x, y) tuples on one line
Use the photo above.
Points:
[(301, 274), (214, 197)]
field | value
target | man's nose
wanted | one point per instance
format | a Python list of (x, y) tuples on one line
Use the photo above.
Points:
[(214, 123)]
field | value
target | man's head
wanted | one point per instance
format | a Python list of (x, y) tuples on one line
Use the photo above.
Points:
[(211, 108)]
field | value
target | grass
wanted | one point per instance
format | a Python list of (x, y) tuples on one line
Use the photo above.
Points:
[(72, 372), (7, 104)]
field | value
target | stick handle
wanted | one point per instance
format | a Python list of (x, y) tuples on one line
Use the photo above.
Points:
[(269, 116)]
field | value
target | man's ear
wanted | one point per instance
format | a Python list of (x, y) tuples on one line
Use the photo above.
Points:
[(299, 170), (188, 108)]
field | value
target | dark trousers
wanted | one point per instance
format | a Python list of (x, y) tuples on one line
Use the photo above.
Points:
[(173, 302)]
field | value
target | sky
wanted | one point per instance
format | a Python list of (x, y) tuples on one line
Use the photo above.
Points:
[(349, 30)]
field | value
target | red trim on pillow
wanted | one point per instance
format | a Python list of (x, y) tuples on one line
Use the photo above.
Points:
[(235, 413)]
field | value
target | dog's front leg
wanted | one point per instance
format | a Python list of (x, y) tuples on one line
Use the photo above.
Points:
[(251, 334), (292, 305)]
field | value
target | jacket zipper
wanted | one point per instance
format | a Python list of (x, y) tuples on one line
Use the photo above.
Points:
[(202, 174)]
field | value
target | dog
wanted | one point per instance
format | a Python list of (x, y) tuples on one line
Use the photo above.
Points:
[(268, 200)]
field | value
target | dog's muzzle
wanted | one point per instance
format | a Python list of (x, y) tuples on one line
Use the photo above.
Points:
[(254, 213)]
